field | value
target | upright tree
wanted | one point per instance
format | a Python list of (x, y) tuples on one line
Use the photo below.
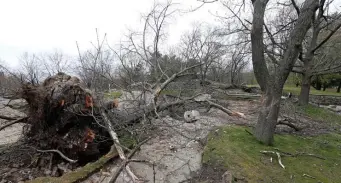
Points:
[(272, 83)]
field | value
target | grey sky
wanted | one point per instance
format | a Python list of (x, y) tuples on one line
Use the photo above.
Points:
[(39, 26), (44, 25)]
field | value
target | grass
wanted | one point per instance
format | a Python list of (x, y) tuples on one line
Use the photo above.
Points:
[(320, 114), (296, 90), (234, 149), (115, 94)]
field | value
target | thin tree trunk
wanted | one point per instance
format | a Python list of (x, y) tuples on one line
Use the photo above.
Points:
[(306, 83), (339, 87), (305, 89)]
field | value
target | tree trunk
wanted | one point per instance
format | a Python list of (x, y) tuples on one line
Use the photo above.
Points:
[(318, 84), (305, 89), (272, 85), (339, 87), (267, 118), (324, 87)]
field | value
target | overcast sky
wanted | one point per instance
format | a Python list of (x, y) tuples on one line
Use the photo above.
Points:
[(37, 26), (44, 25)]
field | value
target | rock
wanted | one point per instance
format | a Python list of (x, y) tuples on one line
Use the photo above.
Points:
[(17, 104), (227, 177), (191, 116), (203, 97), (338, 108)]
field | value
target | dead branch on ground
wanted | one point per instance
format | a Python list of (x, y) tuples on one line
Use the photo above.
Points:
[(21, 120), (58, 152)]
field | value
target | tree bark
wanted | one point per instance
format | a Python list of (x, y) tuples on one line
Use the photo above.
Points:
[(305, 89), (273, 85), (267, 119), (339, 87)]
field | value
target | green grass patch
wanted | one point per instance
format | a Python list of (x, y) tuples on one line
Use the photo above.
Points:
[(296, 90), (239, 152), (320, 114), (115, 94)]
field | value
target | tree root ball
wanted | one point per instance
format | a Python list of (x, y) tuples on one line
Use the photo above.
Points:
[(64, 115)]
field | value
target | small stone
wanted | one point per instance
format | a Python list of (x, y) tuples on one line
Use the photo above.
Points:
[(191, 116)]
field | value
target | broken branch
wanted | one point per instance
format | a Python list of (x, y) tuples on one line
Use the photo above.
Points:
[(13, 122), (278, 156), (126, 161)]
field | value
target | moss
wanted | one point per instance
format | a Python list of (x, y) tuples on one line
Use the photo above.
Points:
[(239, 152), (115, 94)]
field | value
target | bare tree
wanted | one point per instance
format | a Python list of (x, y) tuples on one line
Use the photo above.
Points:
[(31, 68), (272, 83), (96, 64), (323, 28), (54, 62)]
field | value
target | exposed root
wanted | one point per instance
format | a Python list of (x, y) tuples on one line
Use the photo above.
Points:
[(60, 153)]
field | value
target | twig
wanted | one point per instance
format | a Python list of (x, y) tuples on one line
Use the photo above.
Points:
[(284, 122), (154, 173), (278, 156), (125, 161), (13, 122), (279, 160), (247, 131), (229, 112), (299, 154), (60, 153), (7, 117), (306, 175)]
